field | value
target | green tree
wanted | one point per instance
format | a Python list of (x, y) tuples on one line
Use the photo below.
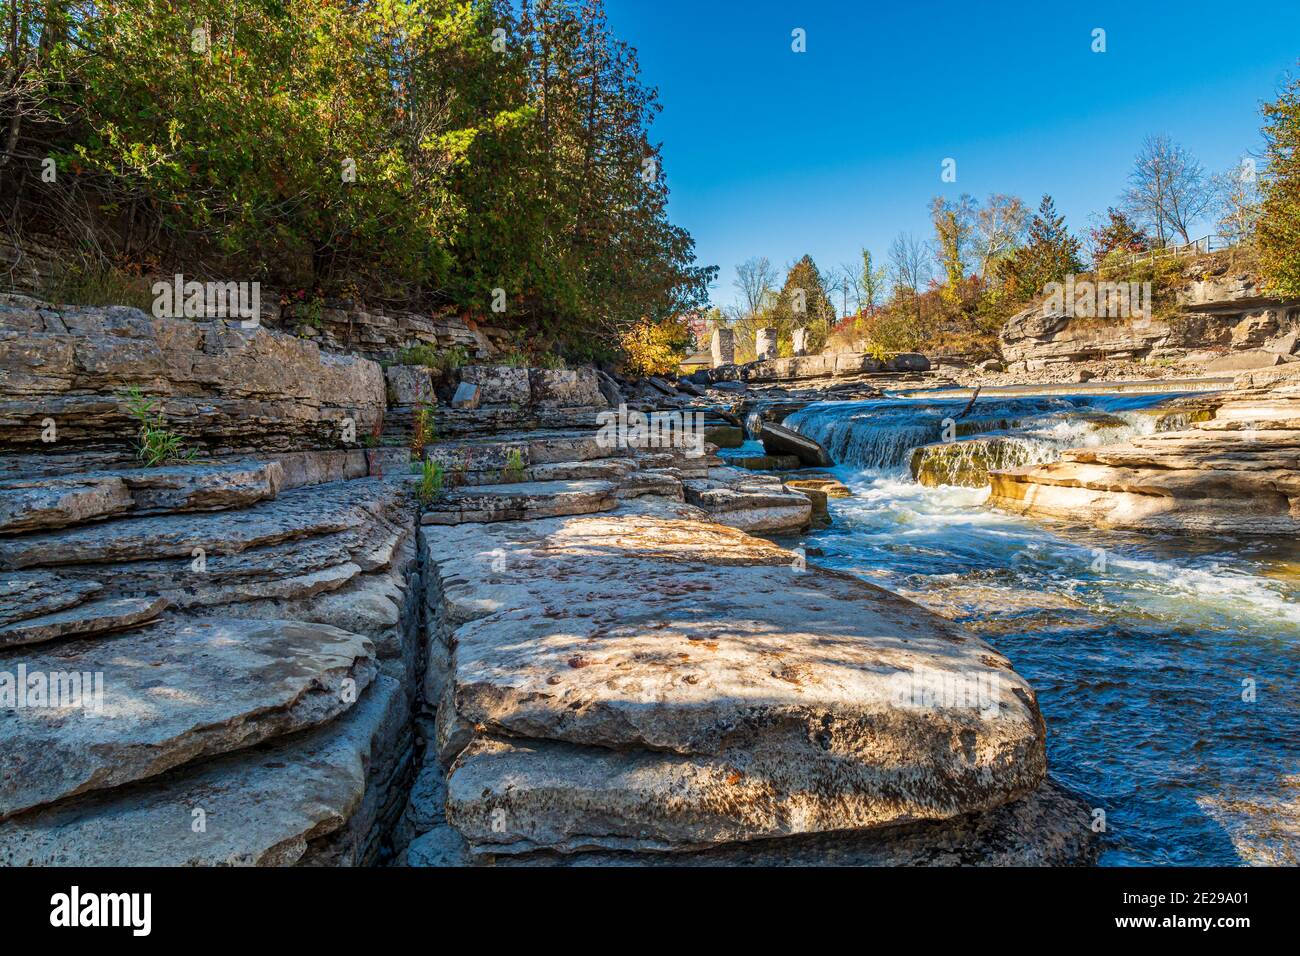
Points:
[(953, 230), (1050, 253), (1278, 229), (872, 282), (803, 303)]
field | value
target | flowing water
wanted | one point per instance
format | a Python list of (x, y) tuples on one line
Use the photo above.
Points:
[(1166, 667)]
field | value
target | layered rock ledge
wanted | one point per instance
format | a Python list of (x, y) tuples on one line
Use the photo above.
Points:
[(1237, 473), (647, 682)]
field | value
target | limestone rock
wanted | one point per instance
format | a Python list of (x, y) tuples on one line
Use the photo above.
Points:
[(755, 503), (779, 440), (410, 385), (467, 396), (499, 384), (783, 705), (222, 388), (54, 503), (171, 693), (263, 806), (520, 502), (1236, 473), (566, 388), (98, 617)]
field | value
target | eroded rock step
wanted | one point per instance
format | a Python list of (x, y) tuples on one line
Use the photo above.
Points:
[(301, 513), (98, 617), (42, 503), (607, 689), (1236, 473), (172, 692), (315, 797), (1049, 827), (749, 502), (520, 502)]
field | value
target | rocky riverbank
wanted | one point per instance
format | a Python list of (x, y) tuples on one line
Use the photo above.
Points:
[(286, 648), (1238, 472)]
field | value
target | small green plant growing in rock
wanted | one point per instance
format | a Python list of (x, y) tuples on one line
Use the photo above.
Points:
[(552, 360), (157, 444), (442, 361), (514, 359), (431, 482), (422, 432), (514, 469)]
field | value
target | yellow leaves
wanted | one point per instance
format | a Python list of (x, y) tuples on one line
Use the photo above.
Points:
[(654, 348)]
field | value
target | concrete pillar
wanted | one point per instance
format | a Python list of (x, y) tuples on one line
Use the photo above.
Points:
[(724, 347), (800, 341), (765, 343)]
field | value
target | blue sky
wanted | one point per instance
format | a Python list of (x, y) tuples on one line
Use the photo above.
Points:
[(774, 153)]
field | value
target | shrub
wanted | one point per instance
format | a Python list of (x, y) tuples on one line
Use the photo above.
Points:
[(156, 444), (654, 348)]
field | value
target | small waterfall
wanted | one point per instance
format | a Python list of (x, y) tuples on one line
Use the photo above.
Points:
[(890, 435), (881, 434)]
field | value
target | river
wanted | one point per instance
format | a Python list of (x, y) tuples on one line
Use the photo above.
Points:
[(1166, 667)]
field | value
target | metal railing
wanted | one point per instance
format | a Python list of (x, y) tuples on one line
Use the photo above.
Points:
[(1201, 246)]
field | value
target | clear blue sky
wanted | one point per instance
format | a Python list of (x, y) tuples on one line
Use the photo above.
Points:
[(774, 153)]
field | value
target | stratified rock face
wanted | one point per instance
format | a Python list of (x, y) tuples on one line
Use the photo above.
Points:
[(608, 687), (43, 503), (1237, 473), (1049, 827), (749, 502), (1224, 312), (222, 388), (212, 687), (218, 661), (272, 805), (967, 463)]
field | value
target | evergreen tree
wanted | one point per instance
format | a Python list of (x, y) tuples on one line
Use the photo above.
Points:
[(1049, 254), (803, 303)]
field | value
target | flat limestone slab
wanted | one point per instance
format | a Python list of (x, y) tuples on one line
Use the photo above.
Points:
[(171, 693), (56, 502), (521, 502), (749, 502), (303, 512), (1048, 827), (708, 687), (25, 594), (98, 617), (259, 807)]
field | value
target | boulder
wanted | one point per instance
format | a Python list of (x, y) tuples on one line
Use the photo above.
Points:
[(725, 436), (410, 385), (779, 440), (795, 703), (499, 384), (467, 396), (908, 362), (566, 388)]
